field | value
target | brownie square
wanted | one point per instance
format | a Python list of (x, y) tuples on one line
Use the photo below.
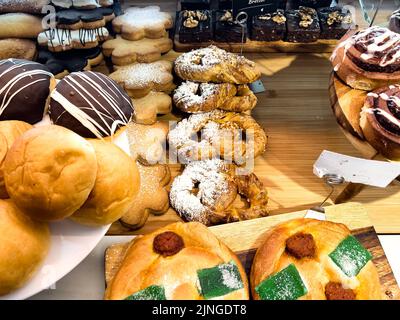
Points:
[(334, 22), (302, 25), (311, 3), (226, 29), (195, 26), (269, 26), (195, 4)]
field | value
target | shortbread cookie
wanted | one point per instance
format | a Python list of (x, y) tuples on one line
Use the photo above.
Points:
[(58, 40), (148, 143), (63, 63), (141, 78), (23, 6), (148, 107), (84, 19), (137, 23), (152, 197), (82, 4), (123, 52), (212, 64), (19, 25), (18, 49)]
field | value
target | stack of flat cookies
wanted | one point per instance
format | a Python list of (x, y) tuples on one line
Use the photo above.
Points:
[(143, 70), (138, 56), (74, 32), (20, 23)]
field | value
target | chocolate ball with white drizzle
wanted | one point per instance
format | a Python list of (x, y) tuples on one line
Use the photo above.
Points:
[(90, 104)]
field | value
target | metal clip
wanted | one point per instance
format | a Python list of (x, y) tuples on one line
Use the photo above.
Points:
[(241, 19), (330, 180)]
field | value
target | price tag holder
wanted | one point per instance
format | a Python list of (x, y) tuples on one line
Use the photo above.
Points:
[(253, 7), (356, 170)]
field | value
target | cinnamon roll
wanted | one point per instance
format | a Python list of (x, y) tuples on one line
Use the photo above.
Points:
[(380, 121), (368, 59)]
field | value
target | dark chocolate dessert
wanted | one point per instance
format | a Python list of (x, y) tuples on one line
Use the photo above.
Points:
[(195, 4), (311, 3), (227, 29), (269, 26), (302, 25), (195, 26), (334, 22)]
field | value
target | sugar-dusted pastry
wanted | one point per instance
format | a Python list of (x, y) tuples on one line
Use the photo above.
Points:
[(25, 87), (138, 23), (147, 108), (49, 172), (212, 64), (57, 40), (141, 78), (182, 261), (226, 135), (24, 245), (368, 59), (90, 104), (380, 121), (311, 259), (206, 190), (194, 97)]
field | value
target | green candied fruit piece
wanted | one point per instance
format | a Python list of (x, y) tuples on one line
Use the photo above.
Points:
[(150, 293), (220, 280), (283, 285), (350, 256)]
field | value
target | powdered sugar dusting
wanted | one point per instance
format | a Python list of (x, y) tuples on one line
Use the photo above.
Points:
[(191, 93), (210, 176), (142, 17)]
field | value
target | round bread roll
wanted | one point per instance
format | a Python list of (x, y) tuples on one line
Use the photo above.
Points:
[(182, 261), (24, 244), (309, 259), (9, 131), (49, 172), (116, 186)]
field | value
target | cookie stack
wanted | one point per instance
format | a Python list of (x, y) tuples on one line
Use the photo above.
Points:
[(136, 53), (20, 23), (217, 138), (72, 41)]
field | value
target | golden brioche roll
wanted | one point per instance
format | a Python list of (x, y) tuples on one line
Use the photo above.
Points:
[(174, 262), (9, 131), (116, 186), (308, 246), (24, 244), (49, 172)]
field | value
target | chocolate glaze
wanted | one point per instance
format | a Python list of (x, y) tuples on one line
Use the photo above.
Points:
[(90, 104), (30, 82), (373, 67), (72, 60), (71, 16)]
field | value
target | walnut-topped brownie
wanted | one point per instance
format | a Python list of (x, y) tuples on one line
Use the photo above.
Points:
[(227, 29), (302, 25), (335, 22), (195, 26), (269, 26), (311, 3)]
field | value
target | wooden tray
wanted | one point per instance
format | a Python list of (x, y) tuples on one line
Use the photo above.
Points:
[(319, 46), (251, 233)]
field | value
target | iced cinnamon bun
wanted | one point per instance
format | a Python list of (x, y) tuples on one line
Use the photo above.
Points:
[(380, 121), (368, 59)]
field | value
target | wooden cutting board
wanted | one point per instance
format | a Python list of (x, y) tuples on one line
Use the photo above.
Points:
[(245, 237)]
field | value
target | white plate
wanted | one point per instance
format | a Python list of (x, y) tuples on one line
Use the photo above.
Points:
[(70, 244)]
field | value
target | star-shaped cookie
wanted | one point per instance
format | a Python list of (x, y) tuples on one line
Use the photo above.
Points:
[(137, 23), (141, 78), (148, 107), (123, 52)]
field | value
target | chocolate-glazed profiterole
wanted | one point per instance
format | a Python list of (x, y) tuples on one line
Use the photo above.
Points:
[(24, 89), (90, 104), (368, 59), (380, 121)]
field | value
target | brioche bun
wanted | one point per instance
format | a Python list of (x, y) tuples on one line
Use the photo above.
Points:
[(49, 172), (24, 244), (9, 131), (116, 186)]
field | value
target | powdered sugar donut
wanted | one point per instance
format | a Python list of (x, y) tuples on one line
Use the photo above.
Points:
[(206, 191), (228, 135)]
